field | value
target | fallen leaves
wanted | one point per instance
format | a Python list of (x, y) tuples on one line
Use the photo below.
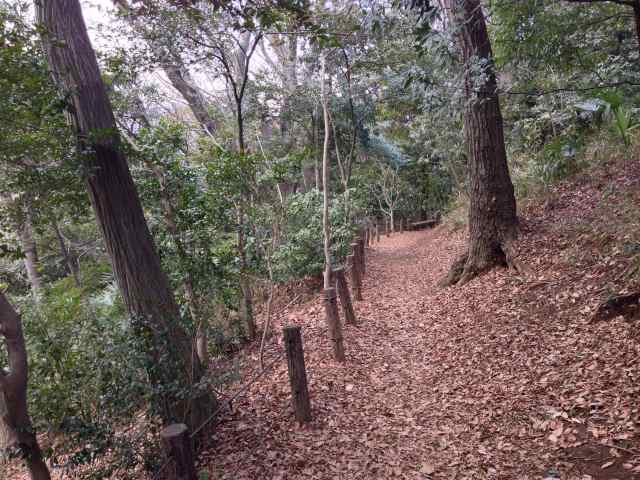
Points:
[(503, 378), (427, 469)]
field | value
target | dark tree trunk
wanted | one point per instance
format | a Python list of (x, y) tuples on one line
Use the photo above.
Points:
[(246, 306), (16, 431), (492, 209), (144, 286)]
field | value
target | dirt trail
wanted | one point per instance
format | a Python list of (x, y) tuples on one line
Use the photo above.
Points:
[(493, 380)]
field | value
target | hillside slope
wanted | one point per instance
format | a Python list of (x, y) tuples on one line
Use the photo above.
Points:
[(503, 378)]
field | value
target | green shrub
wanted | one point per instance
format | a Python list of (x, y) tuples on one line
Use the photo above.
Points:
[(301, 253)]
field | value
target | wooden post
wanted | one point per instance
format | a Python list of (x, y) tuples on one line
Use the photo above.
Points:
[(377, 232), (177, 444), (344, 295), (358, 241), (297, 374), (354, 261), (363, 259), (333, 322), (401, 224), (388, 227)]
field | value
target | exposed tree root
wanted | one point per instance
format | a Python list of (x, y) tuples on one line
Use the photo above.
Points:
[(467, 267), (455, 272), (626, 305)]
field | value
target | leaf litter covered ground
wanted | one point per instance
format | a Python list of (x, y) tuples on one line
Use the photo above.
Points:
[(506, 377), (503, 378)]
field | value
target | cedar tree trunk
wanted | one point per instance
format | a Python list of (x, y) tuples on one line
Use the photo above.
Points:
[(145, 288), (492, 209)]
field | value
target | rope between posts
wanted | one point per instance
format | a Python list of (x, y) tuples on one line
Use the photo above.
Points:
[(225, 403), (228, 401)]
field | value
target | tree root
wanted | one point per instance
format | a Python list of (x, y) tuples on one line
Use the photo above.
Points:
[(627, 306), (455, 272), (465, 268)]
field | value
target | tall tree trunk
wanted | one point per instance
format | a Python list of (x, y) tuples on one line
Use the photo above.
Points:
[(246, 294), (325, 179), (246, 306), (144, 286), (16, 431), (290, 62), (317, 166), (492, 209), (636, 16), (181, 80), (201, 322), (69, 261), (30, 255)]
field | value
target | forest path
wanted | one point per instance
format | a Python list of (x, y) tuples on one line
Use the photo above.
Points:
[(496, 380)]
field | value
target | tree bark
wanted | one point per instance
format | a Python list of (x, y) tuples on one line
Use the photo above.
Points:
[(492, 209), (30, 255), (69, 261), (182, 81), (144, 286), (636, 16), (246, 294), (17, 435), (325, 180), (289, 58)]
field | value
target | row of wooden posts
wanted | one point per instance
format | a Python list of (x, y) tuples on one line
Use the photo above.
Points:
[(176, 438), (357, 265)]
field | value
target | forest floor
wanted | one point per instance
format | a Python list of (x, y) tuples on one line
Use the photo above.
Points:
[(506, 377)]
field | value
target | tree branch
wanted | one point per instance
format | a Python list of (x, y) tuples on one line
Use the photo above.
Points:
[(628, 3)]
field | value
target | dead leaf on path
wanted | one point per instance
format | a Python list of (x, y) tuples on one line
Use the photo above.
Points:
[(427, 469)]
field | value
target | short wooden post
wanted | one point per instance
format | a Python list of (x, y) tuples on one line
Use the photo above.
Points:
[(177, 444), (297, 373), (388, 232), (354, 262), (333, 322), (377, 232), (363, 259), (401, 225), (344, 295)]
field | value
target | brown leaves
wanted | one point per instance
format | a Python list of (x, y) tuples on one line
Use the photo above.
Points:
[(502, 378)]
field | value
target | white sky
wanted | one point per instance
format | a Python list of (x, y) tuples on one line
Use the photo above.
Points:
[(99, 12), (95, 10)]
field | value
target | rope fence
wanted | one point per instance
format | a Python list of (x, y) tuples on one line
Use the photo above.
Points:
[(178, 440)]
